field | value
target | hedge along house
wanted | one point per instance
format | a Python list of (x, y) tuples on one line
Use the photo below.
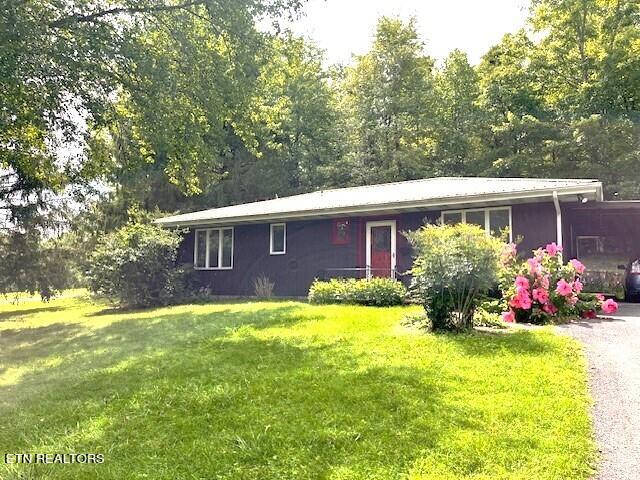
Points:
[(357, 231)]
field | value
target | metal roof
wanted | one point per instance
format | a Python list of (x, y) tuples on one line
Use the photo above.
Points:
[(397, 196)]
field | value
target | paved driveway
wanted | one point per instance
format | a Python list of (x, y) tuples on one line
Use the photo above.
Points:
[(613, 355)]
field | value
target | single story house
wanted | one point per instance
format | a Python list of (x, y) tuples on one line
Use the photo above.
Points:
[(357, 231)]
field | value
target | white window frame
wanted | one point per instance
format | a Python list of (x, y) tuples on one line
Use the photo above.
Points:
[(220, 241), (487, 221), (597, 238), (284, 243)]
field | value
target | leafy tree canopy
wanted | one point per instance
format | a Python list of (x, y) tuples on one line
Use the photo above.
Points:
[(62, 63)]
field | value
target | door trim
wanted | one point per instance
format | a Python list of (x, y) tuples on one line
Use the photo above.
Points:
[(381, 223)]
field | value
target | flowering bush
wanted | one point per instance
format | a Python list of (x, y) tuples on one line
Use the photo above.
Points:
[(454, 265), (542, 288)]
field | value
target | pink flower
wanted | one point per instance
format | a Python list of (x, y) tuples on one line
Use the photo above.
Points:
[(538, 254), (540, 295), (578, 286), (578, 266), (609, 306), (572, 300), (521, 300), (588, 314), (550, 308), (544, 282), (553, 249), (534, 266), (600, 297), (563, 288), (522, 282), (508, 317)]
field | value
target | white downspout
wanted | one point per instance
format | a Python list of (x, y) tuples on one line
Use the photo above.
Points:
[(556, 204)]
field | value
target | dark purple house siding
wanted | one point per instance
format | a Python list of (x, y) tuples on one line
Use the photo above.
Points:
[(535, 223), (309, 251), (311, 254)]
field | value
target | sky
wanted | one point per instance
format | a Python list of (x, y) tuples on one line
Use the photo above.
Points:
[(346, 27)]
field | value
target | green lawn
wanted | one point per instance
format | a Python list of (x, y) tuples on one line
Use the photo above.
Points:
[(284, 390)]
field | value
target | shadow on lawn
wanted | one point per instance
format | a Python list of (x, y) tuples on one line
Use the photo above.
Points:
[(13, 314), (199, 395), (522, 342), (113, 309)]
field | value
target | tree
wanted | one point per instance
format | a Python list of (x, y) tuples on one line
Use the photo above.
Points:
[(588, 55), (388, 98), (461, 121), (61, 65), (35, 265), (297, 115), (293, 120), (607, 148), (566, 105), (508, 83), (273, 135)]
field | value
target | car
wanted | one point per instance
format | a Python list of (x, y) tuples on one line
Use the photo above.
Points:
[(631, 280)]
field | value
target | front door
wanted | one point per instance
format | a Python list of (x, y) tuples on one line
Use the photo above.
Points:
[(381, 249)]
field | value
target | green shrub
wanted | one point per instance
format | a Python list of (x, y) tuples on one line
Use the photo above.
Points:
[(492, 305), (487, 318), (136, 266), (379, 292), (454, 266)]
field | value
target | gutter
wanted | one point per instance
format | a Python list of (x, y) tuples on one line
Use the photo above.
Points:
[(556, 204)]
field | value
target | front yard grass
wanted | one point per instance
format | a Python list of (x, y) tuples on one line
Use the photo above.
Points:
[(284, 390)]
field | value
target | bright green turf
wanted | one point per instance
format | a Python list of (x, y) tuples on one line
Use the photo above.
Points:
[(284, 390)]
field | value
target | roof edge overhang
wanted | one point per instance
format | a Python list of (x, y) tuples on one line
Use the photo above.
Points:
[(591, 192), (608, 205)]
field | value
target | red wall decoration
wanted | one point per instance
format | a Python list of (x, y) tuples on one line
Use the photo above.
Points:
[(341, 231)]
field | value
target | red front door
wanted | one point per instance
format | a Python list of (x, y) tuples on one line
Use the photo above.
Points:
[(381, 251)]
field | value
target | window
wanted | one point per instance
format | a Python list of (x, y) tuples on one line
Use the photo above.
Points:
[(499, 221), (278, 239), (200, 252), (588, 246), (476, 217), (214, 249), (495, 221), (451, 218)]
